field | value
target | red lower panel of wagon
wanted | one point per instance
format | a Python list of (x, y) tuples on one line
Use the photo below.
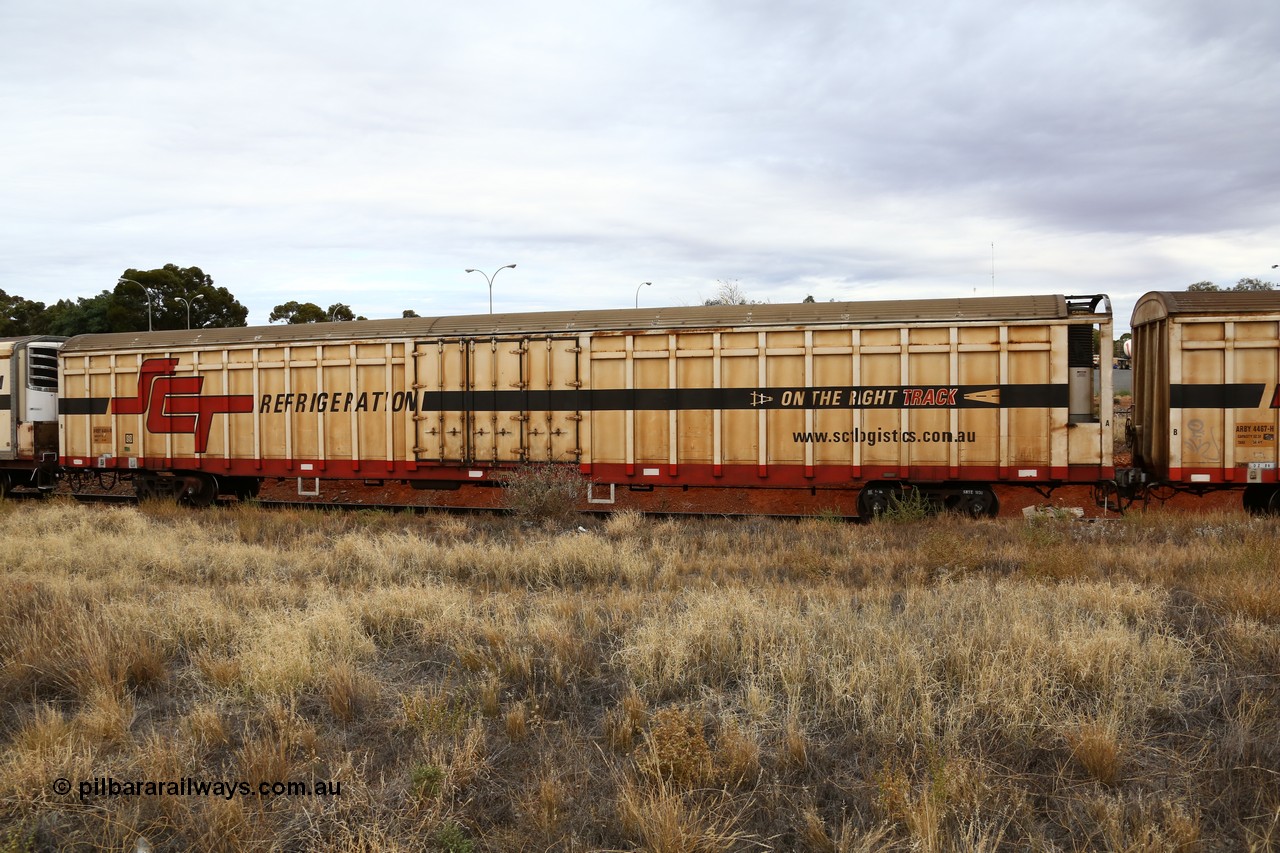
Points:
[(1222, 476), (639, 474)]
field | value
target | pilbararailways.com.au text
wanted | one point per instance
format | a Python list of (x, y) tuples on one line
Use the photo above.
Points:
[(106, 786)]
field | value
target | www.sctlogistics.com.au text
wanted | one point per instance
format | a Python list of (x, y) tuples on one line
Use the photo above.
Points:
[(106, 786), (872, 437)]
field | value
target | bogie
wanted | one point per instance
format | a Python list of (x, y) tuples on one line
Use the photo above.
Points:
[(906, 500)]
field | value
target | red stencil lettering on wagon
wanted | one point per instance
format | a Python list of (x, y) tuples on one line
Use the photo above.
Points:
[(173, 404)]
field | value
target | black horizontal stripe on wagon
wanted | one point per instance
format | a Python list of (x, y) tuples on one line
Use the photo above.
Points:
[(83, 405), (769, 398), (1240, 395), (677, 399)]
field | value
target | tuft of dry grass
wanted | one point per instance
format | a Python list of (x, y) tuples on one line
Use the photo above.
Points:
[(543, 494), (348, 691), (517, 722), (660, 818), (675, 748), (1096, 746), (671, 684), (737, 755)]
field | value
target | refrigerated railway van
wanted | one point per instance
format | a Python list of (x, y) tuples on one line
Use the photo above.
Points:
[(947, 395)]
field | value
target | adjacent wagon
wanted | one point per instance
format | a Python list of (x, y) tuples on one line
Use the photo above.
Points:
[(1205, 398), (28, 412)]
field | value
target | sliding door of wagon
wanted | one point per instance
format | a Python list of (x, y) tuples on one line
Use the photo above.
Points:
[(551, 407), (442, 381), (496, 401)]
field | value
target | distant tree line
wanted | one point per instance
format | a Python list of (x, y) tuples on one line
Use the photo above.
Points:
[(1242, 284), (176, 295), (309, 312), (179, 298)]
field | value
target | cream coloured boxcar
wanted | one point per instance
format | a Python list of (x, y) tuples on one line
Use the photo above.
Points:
[(949, 395), (1205, 399), (28, 411)]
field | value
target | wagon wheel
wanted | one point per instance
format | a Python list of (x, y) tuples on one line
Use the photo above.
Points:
[(873, 501), (247, 488), (980, 503), (1261, 500), (200, 490), (144, 489)]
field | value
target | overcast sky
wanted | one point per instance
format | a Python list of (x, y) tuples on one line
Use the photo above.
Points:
[(369, 153)]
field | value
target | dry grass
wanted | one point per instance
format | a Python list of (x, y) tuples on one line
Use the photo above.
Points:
[(478, 683)]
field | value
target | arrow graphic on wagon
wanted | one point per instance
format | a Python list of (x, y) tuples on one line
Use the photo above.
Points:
[(991, 396)]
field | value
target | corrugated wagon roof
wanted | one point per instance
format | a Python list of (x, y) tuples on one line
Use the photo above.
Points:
[(7, 344), (1159, 304), (896, 312)]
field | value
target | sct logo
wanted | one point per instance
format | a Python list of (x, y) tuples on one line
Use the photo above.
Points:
[(173, 404)]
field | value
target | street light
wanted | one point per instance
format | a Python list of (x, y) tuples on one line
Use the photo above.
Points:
[(147, 292), (642, 284), (188, 302), (490, 278)]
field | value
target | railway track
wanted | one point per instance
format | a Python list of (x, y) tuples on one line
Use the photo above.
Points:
[(116, 498), (112, 498)]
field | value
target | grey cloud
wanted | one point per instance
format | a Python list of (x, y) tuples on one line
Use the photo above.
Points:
[(841, 144)]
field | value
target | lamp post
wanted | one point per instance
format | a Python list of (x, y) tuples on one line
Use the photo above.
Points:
[(642, 284), (188, 302), (490, 278), (147, 292)]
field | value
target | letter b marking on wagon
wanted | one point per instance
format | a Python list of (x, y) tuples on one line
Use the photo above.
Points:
[(174, 404)]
